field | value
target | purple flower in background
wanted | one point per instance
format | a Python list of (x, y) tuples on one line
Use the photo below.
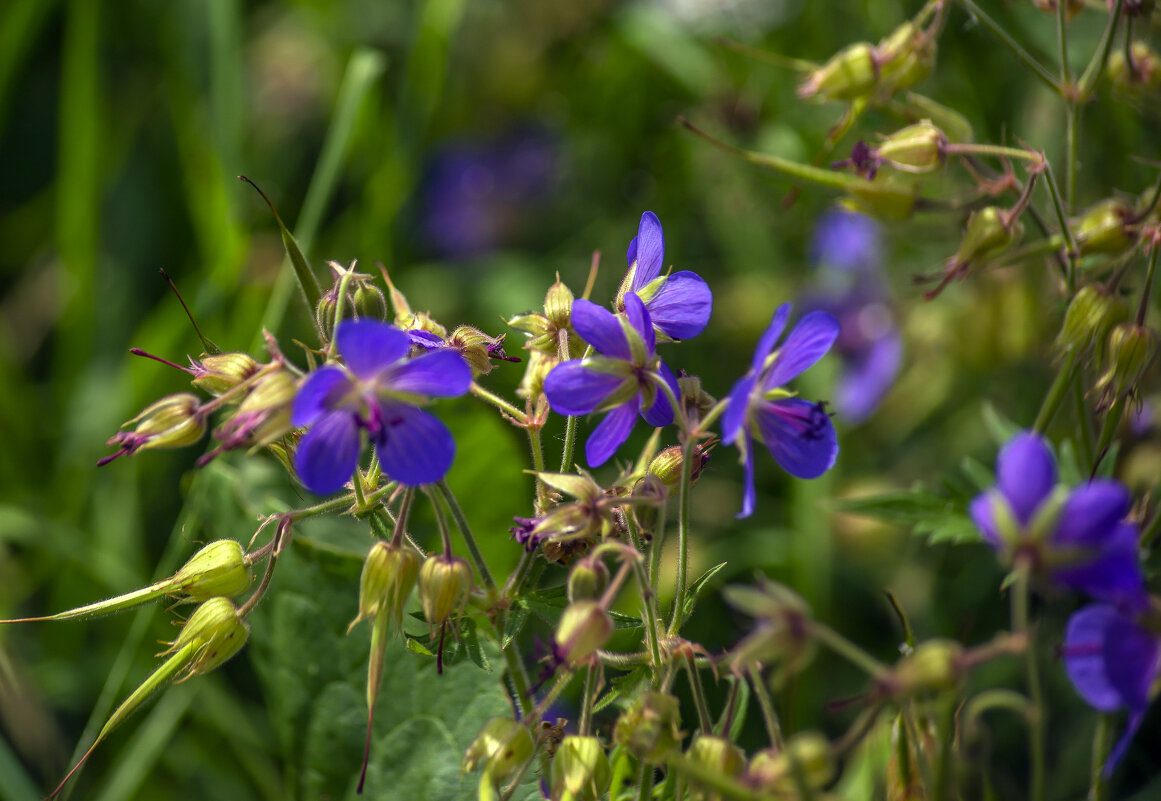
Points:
[(474, 195), (847, 247), (1112, 662), (623, 381), (378, 391), (679, 303), (1079, 538), (798, 433)]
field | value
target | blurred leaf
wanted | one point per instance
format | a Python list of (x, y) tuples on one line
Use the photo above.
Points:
[(547, 602), (938, 518), (1001, 428), (622, 686)]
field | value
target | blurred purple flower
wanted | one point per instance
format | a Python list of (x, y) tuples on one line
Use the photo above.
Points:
[(1077, 537), (377, 390), (847, 248), (1112, 663), (798, 433), (474, 195), (679, 303), (623, 381)]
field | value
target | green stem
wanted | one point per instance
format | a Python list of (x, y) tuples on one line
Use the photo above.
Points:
[(1056, 392), (682, 534), (1072, 151), (1087, 441), (1100, 58), (723, 786), (588, 698), (537, 450), (469, 539), (947, 709), (648, 609), (1062, 43), (1151, 532), (1019, 52), (507, 408), (705, 722), (1071, 250), (766, 703), (1021, 600), (516, 670), (1108, 429), (847, 649), (401, 517), (1102, 741), (999, 151), (1147, 289), (645, 783)]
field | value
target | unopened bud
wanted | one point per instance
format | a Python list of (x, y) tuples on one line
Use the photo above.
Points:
[(324, 313), (222, 372), (1092, 312), (389, 574), (989, 232), (918, 148), (850, 74), (1142, 74), (220, 568), (1130, 350), (1104, 229), (646, 515), (584, 627), (906, 57), (580, 770), (558, 305), (477, 348), (587, 579), (172, 422), (370, 302), (445, 582), (716, 754), (503, 745), (651, 727), (933, 667), (808, 753), (216, 631)]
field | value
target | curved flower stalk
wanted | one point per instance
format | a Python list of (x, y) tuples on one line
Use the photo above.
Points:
[(1078, 538), (379, 391), (679, 303), (798, 433), (1113, 663), (624, 380)]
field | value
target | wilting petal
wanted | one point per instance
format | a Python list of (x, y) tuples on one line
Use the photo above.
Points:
[(805, 345), (735, 414), (660, 412), (319, 394), (770, 337), (682, 306), (367, 346), (749, 494), (866, 380), (611, 433), (1025, 473), (600, 328), (648, 250), (800, 436), (641, 321), (1084, 656), (328, 452), (414, 447), (574, 389), (442, 373), (1092, 512), (983, 514)]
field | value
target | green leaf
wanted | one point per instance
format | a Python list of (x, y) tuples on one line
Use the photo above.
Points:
[(517, 615), (696, 590), (936, 517), (548, 602), (1001, 428), (622, 686)]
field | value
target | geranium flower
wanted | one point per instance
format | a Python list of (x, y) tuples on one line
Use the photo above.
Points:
[(1079, 538), (379, 391), (623, 381), (1112, 662), (798, 433), (679, 303)]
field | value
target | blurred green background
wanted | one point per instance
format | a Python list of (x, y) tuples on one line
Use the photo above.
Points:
[(475, 150)]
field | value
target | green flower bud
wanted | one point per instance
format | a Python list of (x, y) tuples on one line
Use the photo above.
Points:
[(324, 313), (884, 198), (216, 630), (918, 148), (651, 727), (172, 422), (955, 125), (1103, 229), (587, 579), (906, 57), (389, 574), (445, 582), (1142, 75), (220, 568), (400, 308), (850, 74), (1071, 8), (584, 627), (1131, 349), (652, 488), (716, 754), (503, 745), (540, 364), (423, 321), (667, 465), (989, 232), (264, 414), (1092, 312), (477, 348), (221, 372), (808, 752), (933, 667), (580, 770), (370, 302), (558, 305)]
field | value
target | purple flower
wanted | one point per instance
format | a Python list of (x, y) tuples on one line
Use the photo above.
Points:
[(623, 381), (679, 303), (798, 433), (1080, 538), (378, 391), (1112, 663), (847, 241)]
